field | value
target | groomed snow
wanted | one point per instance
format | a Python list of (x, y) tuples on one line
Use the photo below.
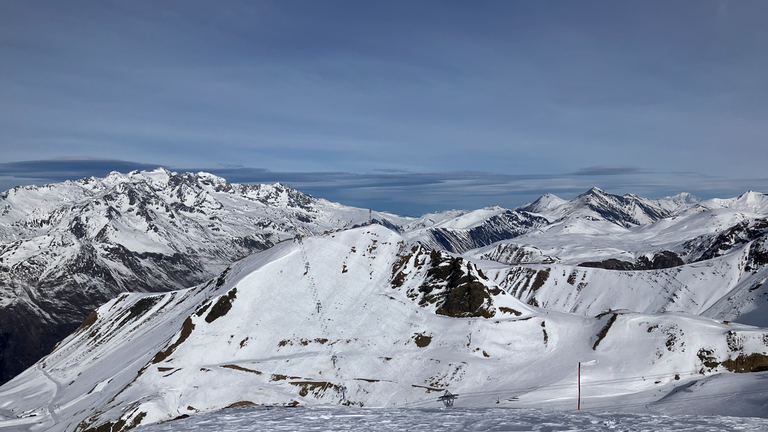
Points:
[(447, 419)]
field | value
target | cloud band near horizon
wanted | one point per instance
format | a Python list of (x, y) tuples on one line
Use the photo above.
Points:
[(412, 193)]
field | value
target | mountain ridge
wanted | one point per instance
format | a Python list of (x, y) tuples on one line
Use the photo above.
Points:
[(66, 248)]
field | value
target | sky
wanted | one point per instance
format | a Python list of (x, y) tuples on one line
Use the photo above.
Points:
[(400, 106)]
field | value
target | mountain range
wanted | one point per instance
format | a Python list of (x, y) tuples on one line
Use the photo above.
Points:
[(182, 293), (67, 248)]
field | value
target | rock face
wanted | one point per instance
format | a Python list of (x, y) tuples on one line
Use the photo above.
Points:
[(458, 288), (67, 248), (510, 253), (710, 246), (507, 225), (472, 230), (660, 260)]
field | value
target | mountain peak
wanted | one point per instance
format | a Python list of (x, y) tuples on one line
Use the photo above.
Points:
[(157, 177), (591, 195), (592, 192), (752, 201), (682, 198), (750, 194), (596, 191), (546, 202)]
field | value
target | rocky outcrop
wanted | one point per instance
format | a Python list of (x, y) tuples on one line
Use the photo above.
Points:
[(660, 260), (458, 289)]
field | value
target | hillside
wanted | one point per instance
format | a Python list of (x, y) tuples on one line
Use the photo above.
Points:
[(709, 259), (358, 317), (67, 248)]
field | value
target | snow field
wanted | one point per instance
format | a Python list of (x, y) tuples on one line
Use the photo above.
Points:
[(456, 419)]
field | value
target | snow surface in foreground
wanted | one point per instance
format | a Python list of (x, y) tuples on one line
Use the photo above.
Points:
[(448, 419)]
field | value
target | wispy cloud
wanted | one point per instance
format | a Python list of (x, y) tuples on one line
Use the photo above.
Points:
[(608, 170), (60, 169)]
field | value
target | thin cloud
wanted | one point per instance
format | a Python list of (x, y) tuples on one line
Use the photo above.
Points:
[(56, 170), (608, 170)]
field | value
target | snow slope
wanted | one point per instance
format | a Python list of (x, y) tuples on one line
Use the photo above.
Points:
[(362, 318), (692, 288), (709, 262), (67, 248), (455, 419)]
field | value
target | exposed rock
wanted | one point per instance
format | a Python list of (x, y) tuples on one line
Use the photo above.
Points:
[(710, 246), (457, 288), (661, 260), (507, 225)]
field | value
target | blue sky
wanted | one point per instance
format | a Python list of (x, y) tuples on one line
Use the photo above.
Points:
[(401, 106)]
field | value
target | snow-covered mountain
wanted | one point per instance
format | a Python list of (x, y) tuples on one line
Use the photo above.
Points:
[(358, 317), (67, 248), (461, 231), (707, 259), (497, 304), (597, 205), (471, 230)]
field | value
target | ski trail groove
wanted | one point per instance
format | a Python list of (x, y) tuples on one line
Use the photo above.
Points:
[(316, 299), (51, 407)]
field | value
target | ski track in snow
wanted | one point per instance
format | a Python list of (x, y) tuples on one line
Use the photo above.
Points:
[(52, 403), (449, 419)]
